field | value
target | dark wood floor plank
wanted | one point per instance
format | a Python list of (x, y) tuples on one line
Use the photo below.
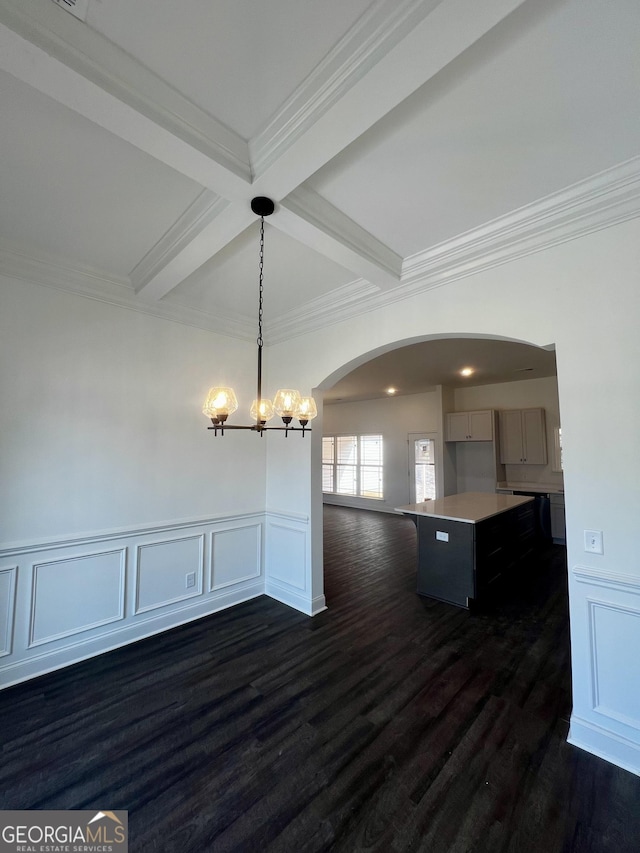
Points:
[(387, 723)]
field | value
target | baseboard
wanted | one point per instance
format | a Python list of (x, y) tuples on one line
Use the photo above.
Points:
[(49, 661), (71, 599), (358, 503), (605, 744), (309, 606)]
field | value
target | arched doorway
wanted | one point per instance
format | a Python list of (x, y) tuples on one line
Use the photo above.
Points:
[(503, 369)]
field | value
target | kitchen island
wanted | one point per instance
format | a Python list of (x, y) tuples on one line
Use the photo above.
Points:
[(467, 542)]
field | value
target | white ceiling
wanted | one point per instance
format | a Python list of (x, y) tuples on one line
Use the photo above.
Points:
[(419, 367), (405, 142)]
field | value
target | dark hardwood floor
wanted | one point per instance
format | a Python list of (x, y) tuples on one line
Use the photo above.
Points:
[(387, 723)]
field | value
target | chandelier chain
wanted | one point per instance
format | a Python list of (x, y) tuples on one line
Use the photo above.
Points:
[(260, 342)]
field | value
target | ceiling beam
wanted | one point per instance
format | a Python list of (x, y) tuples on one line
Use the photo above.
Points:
[(63, 58), (393, 49), (402, 47), (309, 218)]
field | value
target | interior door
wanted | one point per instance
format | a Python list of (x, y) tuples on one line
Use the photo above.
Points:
[(422, 467)]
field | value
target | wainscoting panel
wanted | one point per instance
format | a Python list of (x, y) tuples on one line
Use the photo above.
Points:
[(7, 608), (613, 627), (605, 612), (73, 595), (168, 572), (67, 600), (236, 556), (287, 561)]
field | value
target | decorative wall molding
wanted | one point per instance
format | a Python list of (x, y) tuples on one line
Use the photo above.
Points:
[(8, 579), (84, 595), (20, 548), (162, 582), (287, 564), (376, 33), (50, 597), (606, 619), (235, 555), (598, 611), (14, 670), (608, 580)]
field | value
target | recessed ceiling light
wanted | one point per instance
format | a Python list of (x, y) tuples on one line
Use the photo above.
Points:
[(391, 391), (466, 371)]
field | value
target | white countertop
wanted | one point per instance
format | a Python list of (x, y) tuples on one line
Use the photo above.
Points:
[(469, 507), (542, 488)]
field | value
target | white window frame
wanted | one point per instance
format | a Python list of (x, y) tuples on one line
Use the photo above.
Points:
[(358, 466)]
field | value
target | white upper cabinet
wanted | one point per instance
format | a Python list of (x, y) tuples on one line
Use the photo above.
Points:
[(523, 437), (470, 426)]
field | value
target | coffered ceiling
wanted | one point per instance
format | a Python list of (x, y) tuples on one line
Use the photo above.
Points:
[(405, 142)]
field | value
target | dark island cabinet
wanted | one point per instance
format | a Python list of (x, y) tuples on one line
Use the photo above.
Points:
[(459, 561)]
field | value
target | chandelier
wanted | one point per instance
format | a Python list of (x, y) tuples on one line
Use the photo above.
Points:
[(287, 404)]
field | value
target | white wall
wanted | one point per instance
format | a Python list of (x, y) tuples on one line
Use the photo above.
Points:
[(526, 393), (582, 296), (394, 418), (101, 429), (113, 490), (101, 420)]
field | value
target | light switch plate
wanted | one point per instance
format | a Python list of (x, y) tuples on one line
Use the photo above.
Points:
[(593, 541)]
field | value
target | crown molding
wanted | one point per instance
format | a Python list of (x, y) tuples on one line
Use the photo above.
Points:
[(51, 271), (18, 261), (603, 200), (381, 28), (338, 304), (87, 52), (203, 210)]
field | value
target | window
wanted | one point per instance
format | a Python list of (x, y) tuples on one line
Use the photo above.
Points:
[(352, 465), (557, 449), (424, 469)]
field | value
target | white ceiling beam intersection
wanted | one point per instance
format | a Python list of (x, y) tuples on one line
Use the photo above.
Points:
[(388, 54)]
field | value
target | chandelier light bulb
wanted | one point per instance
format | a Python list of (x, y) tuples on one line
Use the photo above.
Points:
[(262, 410), (221, 402), (287, 403), (307, 410)]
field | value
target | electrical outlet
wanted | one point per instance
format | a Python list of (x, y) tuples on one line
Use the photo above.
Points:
[(190, 580), (593, 541)]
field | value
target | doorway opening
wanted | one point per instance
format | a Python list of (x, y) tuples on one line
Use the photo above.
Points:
[(422, 467)]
